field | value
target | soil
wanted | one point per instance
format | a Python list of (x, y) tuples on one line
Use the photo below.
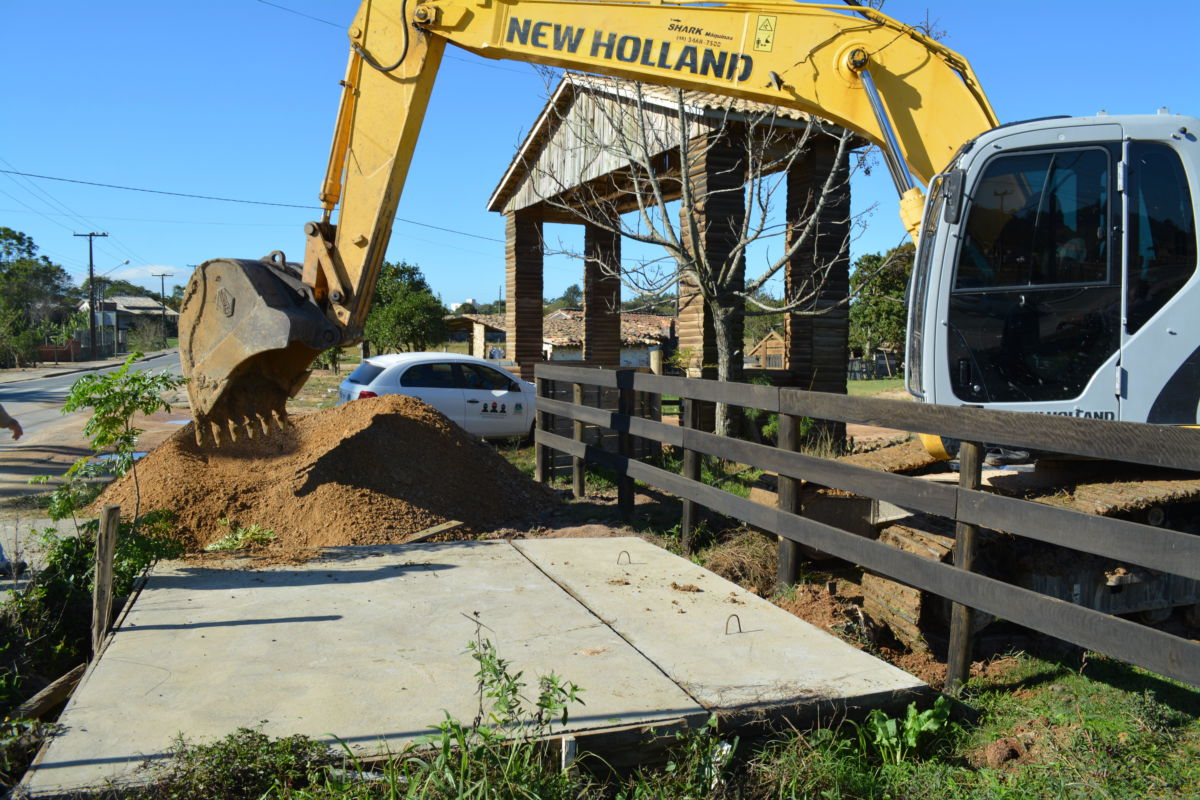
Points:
[(376, 471)]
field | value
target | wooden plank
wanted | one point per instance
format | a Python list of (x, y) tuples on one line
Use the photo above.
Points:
[(958, 662), (1157, 548), (1160, 652), (102, 591), (1155, 445), (41, 703), (748, 395), (904, 491), (590, 376), (429, 533)]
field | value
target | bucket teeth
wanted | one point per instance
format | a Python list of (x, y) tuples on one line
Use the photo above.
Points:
[(214, 432)]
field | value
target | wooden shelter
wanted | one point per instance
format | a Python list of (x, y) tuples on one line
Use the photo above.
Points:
[(564, 163)]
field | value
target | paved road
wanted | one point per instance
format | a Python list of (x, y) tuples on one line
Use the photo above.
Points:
[(37, 403)]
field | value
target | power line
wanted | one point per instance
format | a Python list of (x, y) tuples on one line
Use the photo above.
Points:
[(53, 202), (343, 27), (230, 200), (301, 14)]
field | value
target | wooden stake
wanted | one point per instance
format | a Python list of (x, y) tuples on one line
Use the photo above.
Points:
[(106, 546), (958, 661), (691, 471), (788, 500), (577, 464)]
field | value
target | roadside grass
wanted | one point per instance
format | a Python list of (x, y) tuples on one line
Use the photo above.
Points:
[(874, 387)]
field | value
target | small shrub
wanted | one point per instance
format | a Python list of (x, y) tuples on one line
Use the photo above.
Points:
[(245, 764)]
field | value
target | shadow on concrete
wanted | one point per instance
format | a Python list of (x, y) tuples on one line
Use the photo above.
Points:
[(209, 579), (184, 626)]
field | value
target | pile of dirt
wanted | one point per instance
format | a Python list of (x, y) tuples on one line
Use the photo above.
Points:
[(374, 471)]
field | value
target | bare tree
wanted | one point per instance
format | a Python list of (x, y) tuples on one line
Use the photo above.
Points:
[(705, 179)]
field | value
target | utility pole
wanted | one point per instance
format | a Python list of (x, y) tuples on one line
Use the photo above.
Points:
[(162, 300), (91, 291)]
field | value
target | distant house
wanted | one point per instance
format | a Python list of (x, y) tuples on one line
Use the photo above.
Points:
[(485, 332), (769, 352), (122, 313), (562, 336)]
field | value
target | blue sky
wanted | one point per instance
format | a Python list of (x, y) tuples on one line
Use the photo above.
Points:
[(236, 99)]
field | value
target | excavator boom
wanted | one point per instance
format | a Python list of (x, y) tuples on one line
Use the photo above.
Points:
[(250, 330)]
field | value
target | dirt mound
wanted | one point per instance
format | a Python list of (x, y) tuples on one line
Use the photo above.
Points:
[(374, 471)]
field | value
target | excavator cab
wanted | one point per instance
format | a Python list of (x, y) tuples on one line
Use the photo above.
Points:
[(249, 331)]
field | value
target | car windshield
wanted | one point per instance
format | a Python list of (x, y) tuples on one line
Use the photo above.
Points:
[(364, 373)]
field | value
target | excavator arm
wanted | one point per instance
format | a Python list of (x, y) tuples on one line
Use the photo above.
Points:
[(250, 330)]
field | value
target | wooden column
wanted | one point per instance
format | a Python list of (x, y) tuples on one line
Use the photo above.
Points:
[(817, 347), (523, 276), (479, 346), (717, 180), (601, 297)]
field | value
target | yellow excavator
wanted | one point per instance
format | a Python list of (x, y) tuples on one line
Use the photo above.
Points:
[(1066, 295), (250, 329)]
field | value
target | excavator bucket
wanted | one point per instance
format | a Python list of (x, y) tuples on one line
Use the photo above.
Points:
[(248, 332)]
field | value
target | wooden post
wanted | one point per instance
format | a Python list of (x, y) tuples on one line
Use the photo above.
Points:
[(624, 443), (788, 500), (106, 546), (958, 661), (540, 454), (577, 463), (690, 418)]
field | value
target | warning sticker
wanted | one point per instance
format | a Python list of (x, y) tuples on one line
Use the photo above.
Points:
[(764, 33)]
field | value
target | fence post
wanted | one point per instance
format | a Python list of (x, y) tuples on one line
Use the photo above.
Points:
[(624, 444), (958, 661), (106, 545), (577, 463), (788, 500), (689, 419), (540, 454)]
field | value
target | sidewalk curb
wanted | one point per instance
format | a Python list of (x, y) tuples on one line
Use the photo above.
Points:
[(91, 365)]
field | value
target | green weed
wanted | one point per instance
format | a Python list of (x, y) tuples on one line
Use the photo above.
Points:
[(239, 538)]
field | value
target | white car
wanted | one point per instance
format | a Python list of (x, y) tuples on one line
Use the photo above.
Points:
[(482, 399)]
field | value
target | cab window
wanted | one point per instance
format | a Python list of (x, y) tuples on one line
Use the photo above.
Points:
[(1038, 219), (1162, 231)]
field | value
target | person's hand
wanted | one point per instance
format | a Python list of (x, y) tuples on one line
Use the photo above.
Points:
[(16, 430)]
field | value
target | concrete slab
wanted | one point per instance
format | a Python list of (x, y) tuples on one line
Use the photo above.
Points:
[(729, 649), (368, 645)]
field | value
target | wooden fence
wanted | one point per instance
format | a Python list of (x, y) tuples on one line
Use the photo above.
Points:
[(1160, 549)]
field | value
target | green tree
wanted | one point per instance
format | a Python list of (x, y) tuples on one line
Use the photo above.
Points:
[(107, 287), (405, 313), (759, 324), (878, 314), (114, 398), (35, 295)]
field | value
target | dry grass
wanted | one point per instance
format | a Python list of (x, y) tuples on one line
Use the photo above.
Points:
[(748, 558)]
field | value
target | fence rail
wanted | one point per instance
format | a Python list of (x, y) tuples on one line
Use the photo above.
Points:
[(1154, 548)]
